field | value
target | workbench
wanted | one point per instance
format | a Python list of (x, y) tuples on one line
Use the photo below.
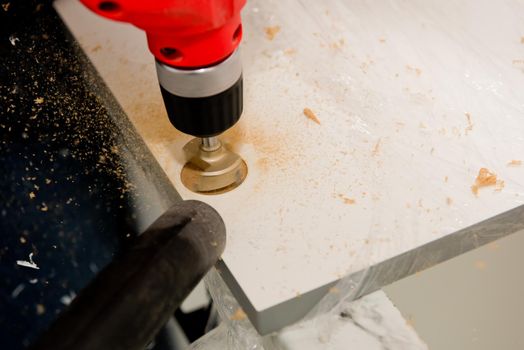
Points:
[(409, 101)]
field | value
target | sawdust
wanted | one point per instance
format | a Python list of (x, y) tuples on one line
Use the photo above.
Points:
[(39, 100), (485, 178), (96, 48), (334, 290), (337, 44), (470, 124), (271, 32), (152, 122), (275, 149), (40, 309), (376, 149), (417, 71), (480, 265), (290, 51), (311, 115), (449, 201), (522, 40), (515, 163), (346, 200), (239, 315)]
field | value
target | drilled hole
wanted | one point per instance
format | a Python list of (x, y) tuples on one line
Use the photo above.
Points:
[(237, 33), (171, 53), (109, 6)]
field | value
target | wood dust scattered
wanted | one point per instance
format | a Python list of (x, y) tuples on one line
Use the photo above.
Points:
[(416, 70), (334, 290), (274, 149), (493, 246), (515, 162), (311, 115), (6, 6), (376, 149), (39, 100), (290, 51), (32, 195), (96, 48), (152, 122), (449, 201), (481, 265), (521, 39), (346, 200), (337, 44), (239, 315), (23, 240), (40, 309), (445, 179), (382, 40), (271, 32), (470, 124), (410, 321), (485, 178)]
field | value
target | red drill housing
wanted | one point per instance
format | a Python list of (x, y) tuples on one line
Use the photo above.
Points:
[(181, 33)]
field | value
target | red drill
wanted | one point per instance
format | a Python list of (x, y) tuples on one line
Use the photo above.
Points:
[(198, 65)]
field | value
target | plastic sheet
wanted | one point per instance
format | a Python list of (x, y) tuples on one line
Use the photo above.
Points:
[(413, 98)]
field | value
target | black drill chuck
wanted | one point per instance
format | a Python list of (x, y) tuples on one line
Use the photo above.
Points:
[(205, 116), (204, 101)]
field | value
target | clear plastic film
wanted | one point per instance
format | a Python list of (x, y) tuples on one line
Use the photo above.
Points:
[(336, 321)]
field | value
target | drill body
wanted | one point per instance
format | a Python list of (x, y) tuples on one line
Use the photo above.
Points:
[(195, 44)]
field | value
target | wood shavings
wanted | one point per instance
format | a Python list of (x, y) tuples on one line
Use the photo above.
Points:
[(271, 32), (239, 315), (311, 115), (290, 51), (32, 195), (417, 71), (449, 201), (96, 48), (6, 6), (521, 39), (334, 290), (40, 309), (480, 265), (29, 263), (337, 44), (484, 178), (376, 149), (515, 163), (23, 240), (39, 100), (346, 200), (470, 124)]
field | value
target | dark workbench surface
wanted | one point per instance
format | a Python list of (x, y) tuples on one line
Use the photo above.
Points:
[(66, 194)]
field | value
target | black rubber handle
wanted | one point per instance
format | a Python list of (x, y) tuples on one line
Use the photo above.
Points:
[(129, 301)]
